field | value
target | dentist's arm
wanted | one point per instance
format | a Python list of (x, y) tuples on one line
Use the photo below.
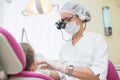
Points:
[(82, 73), (54, 75), (78, 72)]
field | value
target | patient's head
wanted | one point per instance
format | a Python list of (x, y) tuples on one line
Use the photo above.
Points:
[(31, 63)]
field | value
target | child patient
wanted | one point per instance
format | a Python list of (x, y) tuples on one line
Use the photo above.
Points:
[(31, 62)]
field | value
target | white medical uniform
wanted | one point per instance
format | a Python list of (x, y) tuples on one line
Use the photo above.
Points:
[(89, 51)]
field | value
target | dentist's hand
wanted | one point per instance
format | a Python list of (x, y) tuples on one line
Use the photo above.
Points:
[(51, 65)]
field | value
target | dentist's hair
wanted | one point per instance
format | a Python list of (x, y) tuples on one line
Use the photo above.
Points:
[(77, 9)]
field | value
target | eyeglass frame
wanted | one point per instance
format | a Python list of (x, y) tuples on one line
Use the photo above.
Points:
[(67, 19)]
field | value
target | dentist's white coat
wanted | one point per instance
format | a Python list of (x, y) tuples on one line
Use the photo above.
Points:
[(89, 51)]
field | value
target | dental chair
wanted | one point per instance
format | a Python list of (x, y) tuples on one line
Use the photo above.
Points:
[(13, 61), (112, 73)]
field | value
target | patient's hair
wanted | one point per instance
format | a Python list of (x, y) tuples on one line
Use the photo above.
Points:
[(29, 53)]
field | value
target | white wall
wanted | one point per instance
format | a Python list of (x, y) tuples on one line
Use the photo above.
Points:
[(41, 31), (2, 10)]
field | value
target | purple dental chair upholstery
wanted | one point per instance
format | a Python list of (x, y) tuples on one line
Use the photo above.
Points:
[(112, 73), (13, 61)]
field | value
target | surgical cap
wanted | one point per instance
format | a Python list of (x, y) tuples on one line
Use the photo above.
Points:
[(76, 9)]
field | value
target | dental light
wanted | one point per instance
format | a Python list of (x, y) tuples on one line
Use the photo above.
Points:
[(36, 7)]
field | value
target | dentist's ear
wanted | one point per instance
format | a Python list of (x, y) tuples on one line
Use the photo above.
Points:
[(79, 21)]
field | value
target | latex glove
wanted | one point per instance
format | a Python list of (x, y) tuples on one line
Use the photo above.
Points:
[(51, 65)]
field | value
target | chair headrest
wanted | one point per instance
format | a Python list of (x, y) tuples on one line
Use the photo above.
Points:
[(12, 58)]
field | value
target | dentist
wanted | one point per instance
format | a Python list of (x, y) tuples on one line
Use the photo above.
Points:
[(84, 56)]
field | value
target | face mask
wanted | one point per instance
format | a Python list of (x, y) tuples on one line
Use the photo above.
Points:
[(72, 28)]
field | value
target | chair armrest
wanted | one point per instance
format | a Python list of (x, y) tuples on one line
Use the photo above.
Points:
[(32, 74)]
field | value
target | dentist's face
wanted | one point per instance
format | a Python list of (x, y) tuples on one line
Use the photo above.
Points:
[(67, 17)]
